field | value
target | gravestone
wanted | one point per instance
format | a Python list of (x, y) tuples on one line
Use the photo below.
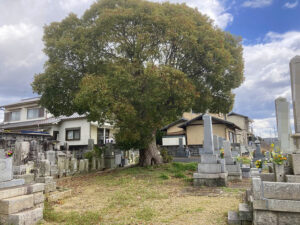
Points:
[(233, 168), (109, 157), (21, 153), (216, 144), (94, 164), (227, 153), (208, 135), (283, 125), (51, 156), (81, 165), (257, 153), (6, 172), (73, 166), (86, 165), (61, 157), (295, 85), (211, 169), (220, 140), (181, 151), (44, 168)]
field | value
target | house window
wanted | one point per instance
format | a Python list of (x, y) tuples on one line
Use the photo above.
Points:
[(73, 134), (12, 116), (35, 113)]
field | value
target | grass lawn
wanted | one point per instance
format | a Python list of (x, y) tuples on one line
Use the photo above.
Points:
[(153, 195)]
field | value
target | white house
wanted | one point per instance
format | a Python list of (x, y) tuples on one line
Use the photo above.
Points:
[(27, 116)]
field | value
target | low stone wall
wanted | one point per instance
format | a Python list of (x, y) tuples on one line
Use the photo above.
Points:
[(275, 203), (22, 204)]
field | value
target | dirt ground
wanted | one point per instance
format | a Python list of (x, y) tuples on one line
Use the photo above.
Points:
[(162, 195)]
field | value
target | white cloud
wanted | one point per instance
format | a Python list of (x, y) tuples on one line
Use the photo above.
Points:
[(215, 9), (257, 3), (21, 31), (291, 5), (71, 5), (20, 45), (267, 76), (265, 127)]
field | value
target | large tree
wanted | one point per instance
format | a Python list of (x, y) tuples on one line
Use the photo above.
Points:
[(140, 65)]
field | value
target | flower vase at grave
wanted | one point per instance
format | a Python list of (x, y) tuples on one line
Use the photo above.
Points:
[(279, 172)]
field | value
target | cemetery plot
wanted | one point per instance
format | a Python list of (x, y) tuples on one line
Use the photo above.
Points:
[(155, 195)]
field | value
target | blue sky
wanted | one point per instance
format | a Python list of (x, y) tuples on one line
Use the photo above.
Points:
[(270, 30), (254, 23)]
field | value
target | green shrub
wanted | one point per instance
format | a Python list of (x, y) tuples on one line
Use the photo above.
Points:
[(165, 156), (89, 155)]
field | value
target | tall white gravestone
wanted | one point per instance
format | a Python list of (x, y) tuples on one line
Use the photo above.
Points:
[(295, 85), (208, 135), (283, 124)]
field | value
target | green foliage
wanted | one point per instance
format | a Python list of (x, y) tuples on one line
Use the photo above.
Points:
[(165, 155), (95, 153), (89, 155), (164, 176), (179, 175), (99, 151), (139, 64)]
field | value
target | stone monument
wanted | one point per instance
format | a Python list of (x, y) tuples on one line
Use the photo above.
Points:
[(233, 169), (257, 153), (181, 151), (211, 169), (295, 85), (283, 125), (216, 144)]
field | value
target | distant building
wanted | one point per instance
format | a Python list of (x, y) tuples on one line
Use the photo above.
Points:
[(27, 116), (245, 123), (190, 128)]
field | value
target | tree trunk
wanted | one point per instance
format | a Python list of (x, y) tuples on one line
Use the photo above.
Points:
[(150, 155)]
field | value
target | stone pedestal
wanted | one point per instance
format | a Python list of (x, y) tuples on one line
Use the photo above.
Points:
[(211, 170)]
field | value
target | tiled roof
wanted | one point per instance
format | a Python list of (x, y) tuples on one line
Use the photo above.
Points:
[(23, 101), (52, 120), (215, 120)]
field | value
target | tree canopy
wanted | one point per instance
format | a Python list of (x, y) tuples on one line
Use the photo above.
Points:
[(139, 64)]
